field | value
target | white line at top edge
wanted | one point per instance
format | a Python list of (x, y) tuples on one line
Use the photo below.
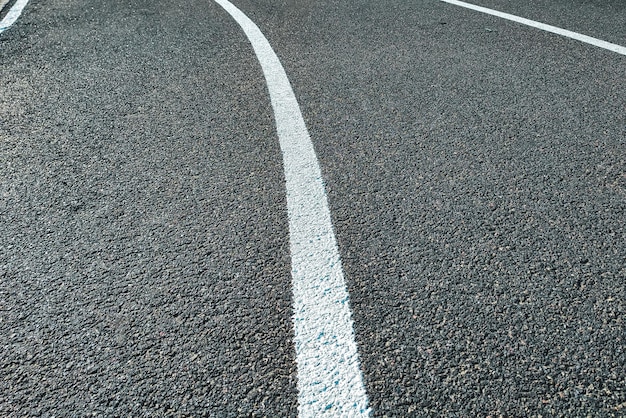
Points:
[(330, 382), (563, 32), (12, 15)]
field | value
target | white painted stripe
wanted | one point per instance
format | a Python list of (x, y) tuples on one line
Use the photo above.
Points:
[(329, 377), (12, 15), (563, 32)]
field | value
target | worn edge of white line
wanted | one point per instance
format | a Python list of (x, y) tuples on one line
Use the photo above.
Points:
[(12, 15), (330, 381), (549, 28), (2, 4)]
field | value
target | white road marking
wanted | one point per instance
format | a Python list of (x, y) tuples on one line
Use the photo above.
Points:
[(12, 15), (563, 32), (330, 382)]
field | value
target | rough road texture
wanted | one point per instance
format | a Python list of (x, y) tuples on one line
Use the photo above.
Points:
[(476, 172)]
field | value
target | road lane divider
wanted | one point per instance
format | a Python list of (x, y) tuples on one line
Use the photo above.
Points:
[(330, 381), (12, 15), (548, 28)]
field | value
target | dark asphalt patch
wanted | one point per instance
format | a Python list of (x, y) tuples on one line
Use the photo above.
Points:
[(144, 262)]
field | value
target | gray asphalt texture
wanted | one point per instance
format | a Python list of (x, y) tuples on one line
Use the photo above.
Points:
[(144, 265), (476, 173)]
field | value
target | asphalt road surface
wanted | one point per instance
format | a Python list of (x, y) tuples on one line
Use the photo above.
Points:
[(476, 175)]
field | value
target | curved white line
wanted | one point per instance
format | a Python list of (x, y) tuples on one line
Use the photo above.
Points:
[(329, 377), (12, 15), (548, 28)]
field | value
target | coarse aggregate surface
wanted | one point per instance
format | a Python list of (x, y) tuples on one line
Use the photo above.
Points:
[(476, 175), (144, 266)]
